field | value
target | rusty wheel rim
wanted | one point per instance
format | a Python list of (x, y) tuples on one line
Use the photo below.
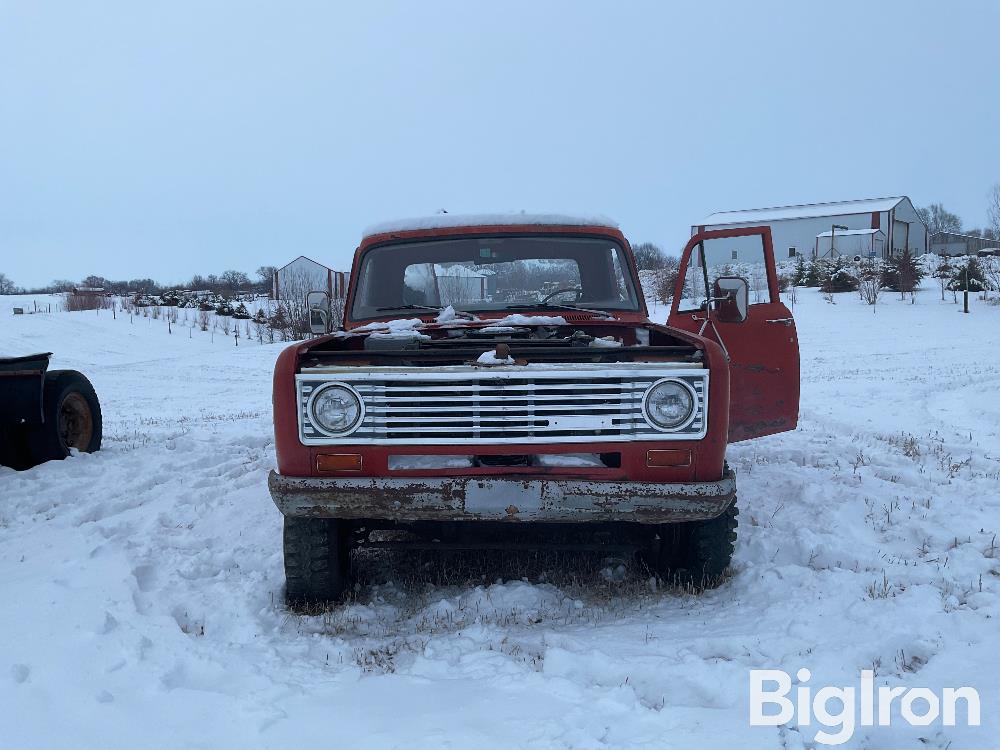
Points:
[(76, 422)]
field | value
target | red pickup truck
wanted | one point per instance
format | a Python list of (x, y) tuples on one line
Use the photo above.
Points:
[(497, 379)]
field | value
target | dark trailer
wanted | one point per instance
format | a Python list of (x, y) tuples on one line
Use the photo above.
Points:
[(44, 414)]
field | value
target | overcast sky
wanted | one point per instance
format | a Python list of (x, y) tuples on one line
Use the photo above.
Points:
[(142, 139)]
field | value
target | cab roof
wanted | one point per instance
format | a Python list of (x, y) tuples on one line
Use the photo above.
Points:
[(519, 219)]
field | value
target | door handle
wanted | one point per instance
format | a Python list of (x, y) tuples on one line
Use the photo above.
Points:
[(783, 321)]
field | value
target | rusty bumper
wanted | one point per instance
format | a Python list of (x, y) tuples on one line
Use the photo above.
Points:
[(486, 499)]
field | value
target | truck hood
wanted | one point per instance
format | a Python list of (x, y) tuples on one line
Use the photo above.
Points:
[(522, 339)]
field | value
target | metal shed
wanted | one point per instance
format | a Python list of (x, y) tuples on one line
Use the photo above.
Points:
[(868, 243)]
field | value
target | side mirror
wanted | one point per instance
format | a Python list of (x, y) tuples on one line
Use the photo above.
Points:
[(731, 299), (319, 312)]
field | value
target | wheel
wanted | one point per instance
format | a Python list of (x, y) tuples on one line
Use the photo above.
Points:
[(72, 418), (317, 561), (695, 553)]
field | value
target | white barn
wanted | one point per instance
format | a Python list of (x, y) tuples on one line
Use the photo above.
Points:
[(303, 275), (881, 225)]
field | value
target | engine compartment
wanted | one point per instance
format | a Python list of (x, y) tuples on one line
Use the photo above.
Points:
[(466, 342)]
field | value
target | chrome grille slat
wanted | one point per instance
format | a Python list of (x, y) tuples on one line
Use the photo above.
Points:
[(508, 389), (505, 399), (546, 409), (578, 404), (540, 420)]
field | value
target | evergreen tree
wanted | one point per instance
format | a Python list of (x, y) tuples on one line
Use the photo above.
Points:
[(799, 273), (816, 271), (840, 277), (968, 276), (902, 273)]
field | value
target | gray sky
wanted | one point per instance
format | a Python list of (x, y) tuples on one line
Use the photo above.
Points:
[(142, 140)]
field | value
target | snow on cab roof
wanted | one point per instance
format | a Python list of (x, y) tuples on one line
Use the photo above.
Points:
[(803, 211), (442, 221)]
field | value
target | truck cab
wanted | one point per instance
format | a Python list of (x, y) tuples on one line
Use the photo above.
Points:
[(498, 376)]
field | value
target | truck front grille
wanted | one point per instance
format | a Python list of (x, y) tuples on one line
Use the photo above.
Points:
[(570, 404)]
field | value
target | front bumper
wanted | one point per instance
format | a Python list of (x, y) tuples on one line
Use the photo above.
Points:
[(484, 499)]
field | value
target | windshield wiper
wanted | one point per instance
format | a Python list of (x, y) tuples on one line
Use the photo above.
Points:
[(558, 306), (408, 307)]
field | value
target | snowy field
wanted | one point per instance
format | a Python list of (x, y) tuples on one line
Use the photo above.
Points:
[(142, 584)]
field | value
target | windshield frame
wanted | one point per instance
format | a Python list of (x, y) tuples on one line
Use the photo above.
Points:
[(629, 272)]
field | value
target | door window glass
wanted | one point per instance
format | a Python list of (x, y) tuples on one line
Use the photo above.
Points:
[(725, 256)]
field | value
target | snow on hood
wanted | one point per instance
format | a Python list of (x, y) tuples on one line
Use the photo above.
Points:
[(491, 358), (392, 326), (405, 334), (407, 327), (443, 221), (448, 315), (607, 342), (530, 320)]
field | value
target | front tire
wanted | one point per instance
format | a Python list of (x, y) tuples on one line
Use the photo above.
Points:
[(695, 554), (72, 418), (317, 561)]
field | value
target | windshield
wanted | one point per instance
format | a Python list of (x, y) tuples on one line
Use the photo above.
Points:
[(494, 273)]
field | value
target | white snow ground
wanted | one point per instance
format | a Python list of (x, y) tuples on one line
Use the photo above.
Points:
[(142, 584)]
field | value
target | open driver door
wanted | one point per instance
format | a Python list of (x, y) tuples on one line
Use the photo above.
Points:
[(727, 290)]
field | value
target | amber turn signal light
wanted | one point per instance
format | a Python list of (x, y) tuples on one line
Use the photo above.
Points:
[(338, 462), (668, 458)]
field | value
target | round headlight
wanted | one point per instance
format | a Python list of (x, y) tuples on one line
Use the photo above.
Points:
[(670, 404), (335, 409)]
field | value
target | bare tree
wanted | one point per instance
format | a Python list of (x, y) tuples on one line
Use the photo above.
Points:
[(938, 219), (234, 281), (77, 302), (6, 285), (993, 210), (95, 282), (455, 289), (265, 274), (870, 272), (291, 315), (664, 279), (943, 273), (648, 255), (758, 281)]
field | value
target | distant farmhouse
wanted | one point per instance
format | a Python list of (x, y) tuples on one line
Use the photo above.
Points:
[(872, 227), (303, 275), (952, 243)]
